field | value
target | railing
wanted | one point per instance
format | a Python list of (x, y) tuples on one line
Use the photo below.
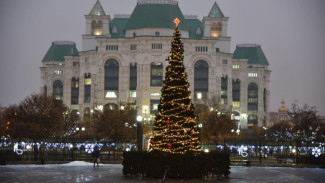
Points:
[(171, 2)]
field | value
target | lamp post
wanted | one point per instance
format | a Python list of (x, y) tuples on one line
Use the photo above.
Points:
[(139, 132)]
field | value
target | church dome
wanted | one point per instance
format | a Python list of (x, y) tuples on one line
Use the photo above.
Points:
[(282, 108)]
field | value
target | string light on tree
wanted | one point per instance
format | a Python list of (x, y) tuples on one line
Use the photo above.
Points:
[(175, 129)]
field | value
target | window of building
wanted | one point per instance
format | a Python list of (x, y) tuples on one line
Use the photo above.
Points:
[(75, 64), (224, 61), (236, 92), (235, 66), (201, 79), (86, 114), (58, 72), (156, 74), (45, 90), (201, 49), (133, 47), (58, 90), (224, 89), (75, 114), (154, 106), (251, 121), (155, 94), (97, 28), (198, 30), (74, 91), (114, 30), (112, 47), (252, 99), (133, 94), (87, 59), (111, 78), (216, 29), (157, 34), (87, 83), (156, 46), (264, 99), (133, 80), (252, 75), (111, 106)]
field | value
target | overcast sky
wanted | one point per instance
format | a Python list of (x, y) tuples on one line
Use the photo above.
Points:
[(291, 33)]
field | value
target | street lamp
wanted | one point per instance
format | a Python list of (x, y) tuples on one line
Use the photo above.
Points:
[(139, 132)]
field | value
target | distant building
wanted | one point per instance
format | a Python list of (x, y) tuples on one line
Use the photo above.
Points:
[(281, 115), (124, 59)]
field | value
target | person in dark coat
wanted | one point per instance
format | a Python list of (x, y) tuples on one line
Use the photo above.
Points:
[(95, 155)]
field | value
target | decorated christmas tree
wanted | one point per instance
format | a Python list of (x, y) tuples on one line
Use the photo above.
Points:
[(175, 129)]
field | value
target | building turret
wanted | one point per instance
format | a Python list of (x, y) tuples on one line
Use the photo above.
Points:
[(97, 24)]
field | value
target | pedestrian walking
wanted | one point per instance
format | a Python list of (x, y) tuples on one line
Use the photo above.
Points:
[(95, 155)]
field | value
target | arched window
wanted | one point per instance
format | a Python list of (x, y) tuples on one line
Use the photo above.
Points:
[(97, 28), (111, 78), (45, 90), (216, 29), (251, 121), (58, 90), (75, 115), (156, 74), (201, 79), (74, 91), (236, 93), (252, 97)]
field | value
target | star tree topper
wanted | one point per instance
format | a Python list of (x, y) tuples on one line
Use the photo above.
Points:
[(176, 21)]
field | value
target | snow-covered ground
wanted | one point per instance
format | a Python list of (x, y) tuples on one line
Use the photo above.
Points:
[(80, 171)]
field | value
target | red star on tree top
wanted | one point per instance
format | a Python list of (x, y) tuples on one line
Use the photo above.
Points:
[(176, 21)]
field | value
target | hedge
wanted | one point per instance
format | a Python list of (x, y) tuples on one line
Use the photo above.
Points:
[(154, 164)]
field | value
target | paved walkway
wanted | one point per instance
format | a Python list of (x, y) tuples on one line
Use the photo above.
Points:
[(112, 173)]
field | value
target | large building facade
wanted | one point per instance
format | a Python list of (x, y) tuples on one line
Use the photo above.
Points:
[(123, 61)]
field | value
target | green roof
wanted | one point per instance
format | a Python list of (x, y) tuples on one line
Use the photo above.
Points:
[(59, 49), (193, 24), (216, 11), (120, 24), (97, 10), (156, 16), (252, 52)]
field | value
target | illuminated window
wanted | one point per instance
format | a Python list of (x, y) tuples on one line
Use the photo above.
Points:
[(156, 74), (111, 106), (87, 88), (155, 94), (235, 66), (111, 78), (224, 89), (216, 29), (252, 98), (154, 106), (156, 46), (133, 94), (254, 74), (58, 90), (236, 104), (251, 121), (97, 28), (58, 72), (201, 79), (74, 91)]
